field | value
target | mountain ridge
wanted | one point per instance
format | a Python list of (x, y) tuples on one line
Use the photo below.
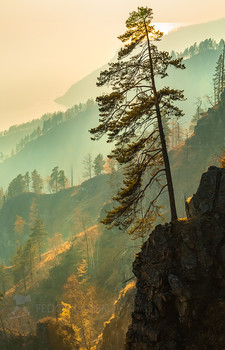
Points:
[(175, 41)]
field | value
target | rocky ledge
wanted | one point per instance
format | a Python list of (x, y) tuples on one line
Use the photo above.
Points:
[(180, 300)]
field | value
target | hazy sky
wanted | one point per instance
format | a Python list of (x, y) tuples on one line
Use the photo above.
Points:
[(47, 45)]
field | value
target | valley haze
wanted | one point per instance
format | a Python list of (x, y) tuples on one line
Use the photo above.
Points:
[(46, 47)]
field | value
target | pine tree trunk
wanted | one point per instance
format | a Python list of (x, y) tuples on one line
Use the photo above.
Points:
[(167, 166), (162, 138)]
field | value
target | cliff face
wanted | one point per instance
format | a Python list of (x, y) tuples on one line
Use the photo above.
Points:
[(180, 300), (114, 334)]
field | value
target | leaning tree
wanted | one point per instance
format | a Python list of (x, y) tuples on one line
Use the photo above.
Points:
[(133, 116)]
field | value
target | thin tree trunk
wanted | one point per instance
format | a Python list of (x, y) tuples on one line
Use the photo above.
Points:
[(162, 138)]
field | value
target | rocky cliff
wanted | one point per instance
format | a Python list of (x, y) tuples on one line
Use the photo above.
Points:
[(114, 334), (180, 300)]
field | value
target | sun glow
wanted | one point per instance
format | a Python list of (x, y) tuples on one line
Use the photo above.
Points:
[(167, 27)]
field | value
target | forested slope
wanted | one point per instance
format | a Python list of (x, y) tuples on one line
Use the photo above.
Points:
[(65, 145)]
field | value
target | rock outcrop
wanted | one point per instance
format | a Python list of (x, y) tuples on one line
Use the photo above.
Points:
[(114, 334), (180, 300), (210, 196)]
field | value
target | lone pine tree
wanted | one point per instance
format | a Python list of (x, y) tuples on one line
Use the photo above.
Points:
[(132, 117)]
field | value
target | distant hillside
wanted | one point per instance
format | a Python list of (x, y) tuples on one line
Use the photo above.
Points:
[(196, 80), (9, 138), (82, 90), (183, 37), (65, 145), (17, 136)]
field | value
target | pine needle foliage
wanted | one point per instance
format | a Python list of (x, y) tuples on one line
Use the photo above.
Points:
[(132, 117)]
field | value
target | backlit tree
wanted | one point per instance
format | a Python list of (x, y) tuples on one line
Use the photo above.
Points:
[(132, 117)]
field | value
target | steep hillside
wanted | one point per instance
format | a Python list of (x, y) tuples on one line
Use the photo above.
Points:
[(9, 138), (65, 146), (97, 260), (195, 80), (109, 269), (64, 212)]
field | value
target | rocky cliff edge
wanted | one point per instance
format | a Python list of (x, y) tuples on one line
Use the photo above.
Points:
[(180, 300)]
